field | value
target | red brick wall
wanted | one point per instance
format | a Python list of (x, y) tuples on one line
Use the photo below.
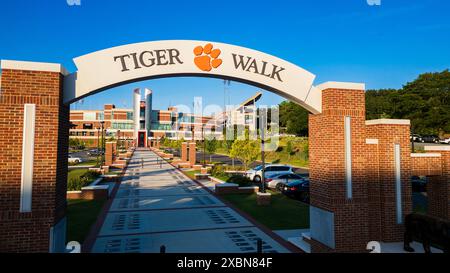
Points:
[(29, 232), (192, 153), (388, 135), (438, 190), (327, 167), (425, 166), (184, 151)]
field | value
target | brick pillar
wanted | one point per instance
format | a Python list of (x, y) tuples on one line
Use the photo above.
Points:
[(438, 187), (384, 198), (184, 152), (339, 218), (192, 153), (109, 153), (32, 200)]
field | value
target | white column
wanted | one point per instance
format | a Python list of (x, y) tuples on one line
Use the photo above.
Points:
[(136, 111), (27, 157), (398, 184), (148, 111), (348, 156)]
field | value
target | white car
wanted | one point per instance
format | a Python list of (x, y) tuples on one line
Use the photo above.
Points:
[(75, 160), (445, 140), (255, 173), (278, 181)]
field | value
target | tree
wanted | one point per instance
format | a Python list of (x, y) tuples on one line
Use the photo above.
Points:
[(289, 149), (211, 147), (245, 150), (293, 118)]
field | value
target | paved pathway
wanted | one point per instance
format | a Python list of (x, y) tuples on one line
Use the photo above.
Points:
[(158, 205)]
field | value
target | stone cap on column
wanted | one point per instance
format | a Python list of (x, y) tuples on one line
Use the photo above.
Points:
[(33, 66), (341, 85), (437, 148), (388, 122)]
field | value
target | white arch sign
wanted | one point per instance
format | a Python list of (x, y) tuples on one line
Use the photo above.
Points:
[(118, 65)]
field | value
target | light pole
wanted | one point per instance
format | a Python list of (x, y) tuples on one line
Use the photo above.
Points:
[(203, 137), (103, 142), (118, 139), (262, 117), (98, 143)]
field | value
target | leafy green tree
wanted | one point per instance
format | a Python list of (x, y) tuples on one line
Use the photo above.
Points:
[(245, 150), (289, 149), (211, 146), (293, 118)]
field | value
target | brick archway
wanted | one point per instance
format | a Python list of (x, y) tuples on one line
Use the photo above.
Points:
[(359, 172)]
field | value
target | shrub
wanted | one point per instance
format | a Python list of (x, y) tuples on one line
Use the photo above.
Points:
[(242, 181), (76, 183), (218, 170)]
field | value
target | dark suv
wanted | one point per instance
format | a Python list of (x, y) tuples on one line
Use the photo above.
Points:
[(430, 139)]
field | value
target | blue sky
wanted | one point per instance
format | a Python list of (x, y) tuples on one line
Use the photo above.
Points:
[(384, 46)]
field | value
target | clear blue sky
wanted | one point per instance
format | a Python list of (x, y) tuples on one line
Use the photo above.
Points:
[(384, 46)]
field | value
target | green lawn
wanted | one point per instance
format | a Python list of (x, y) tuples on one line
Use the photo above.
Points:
[(191, 173), (78, 178), (92, 162), (81, 215), (74, 173), (283, 213)]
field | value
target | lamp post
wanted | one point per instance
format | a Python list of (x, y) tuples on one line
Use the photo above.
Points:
[(103, 143), (203, 137), (98, 143), (118, 139), (262, 117)]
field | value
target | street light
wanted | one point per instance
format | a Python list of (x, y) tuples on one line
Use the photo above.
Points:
[(203, 137), (98, 143), (103, 142), (262, 119), (118, 139)]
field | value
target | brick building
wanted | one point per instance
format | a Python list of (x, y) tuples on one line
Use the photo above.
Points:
[(150, 123)]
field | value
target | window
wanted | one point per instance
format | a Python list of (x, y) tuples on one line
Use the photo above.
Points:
[(129, 115), (122, 126)]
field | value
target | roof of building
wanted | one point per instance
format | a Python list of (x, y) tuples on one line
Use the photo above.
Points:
[(251, 100)]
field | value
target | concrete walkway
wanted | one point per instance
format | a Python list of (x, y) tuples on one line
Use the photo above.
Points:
[(158, 205)]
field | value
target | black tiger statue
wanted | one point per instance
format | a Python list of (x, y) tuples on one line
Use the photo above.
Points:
[(427, 229)]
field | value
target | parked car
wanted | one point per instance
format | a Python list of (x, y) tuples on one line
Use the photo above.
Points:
[(298, 190), (430, 139), (419, 184), (95, 152), (255, 173), (278, 181), (75, 160), (445, 140), (416, 138)]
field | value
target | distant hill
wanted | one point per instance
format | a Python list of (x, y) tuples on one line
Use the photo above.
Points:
[(425, 101)]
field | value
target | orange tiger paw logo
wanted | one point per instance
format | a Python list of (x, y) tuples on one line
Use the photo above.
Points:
[(207, 57)]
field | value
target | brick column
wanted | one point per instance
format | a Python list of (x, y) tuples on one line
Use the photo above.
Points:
[(32, 199), (386, 199), (109, 153), (184, 152), (339, 192), (438, 187), (192, 153)]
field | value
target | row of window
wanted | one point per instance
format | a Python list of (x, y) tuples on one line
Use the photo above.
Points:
[(83, 133)]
